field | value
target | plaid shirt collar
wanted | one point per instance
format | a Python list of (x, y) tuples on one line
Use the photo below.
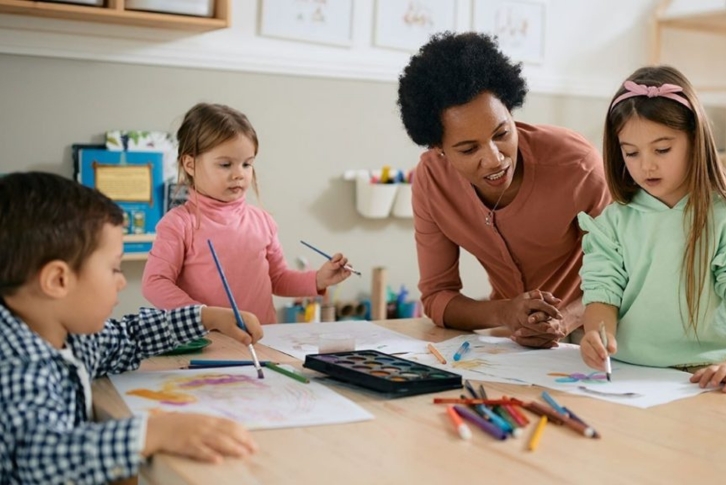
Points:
[(18, 341)]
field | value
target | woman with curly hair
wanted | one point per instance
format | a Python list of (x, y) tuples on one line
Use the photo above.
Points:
[(506, 192)]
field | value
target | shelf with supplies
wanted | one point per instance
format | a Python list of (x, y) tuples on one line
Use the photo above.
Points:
[(194, 15), (381, 193), (706, 16), (143, 240)]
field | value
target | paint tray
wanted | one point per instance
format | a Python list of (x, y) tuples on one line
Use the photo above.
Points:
[(383, 372)]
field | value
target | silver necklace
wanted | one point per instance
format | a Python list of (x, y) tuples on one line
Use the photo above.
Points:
[(490, 216)]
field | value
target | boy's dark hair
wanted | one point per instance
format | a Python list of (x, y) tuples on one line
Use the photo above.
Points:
[(46, 217), (451, 70)]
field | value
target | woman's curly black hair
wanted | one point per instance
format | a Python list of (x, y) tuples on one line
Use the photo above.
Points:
[(451, 70)]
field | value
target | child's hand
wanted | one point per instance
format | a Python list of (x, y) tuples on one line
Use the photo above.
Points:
[(593, 352), (222, 320), (197, 436), (332, 272), (712, 375)]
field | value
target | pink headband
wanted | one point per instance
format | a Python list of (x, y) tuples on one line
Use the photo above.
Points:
[(663, 91)]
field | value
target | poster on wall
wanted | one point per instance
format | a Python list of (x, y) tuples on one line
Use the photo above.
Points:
[(408, 24), (321, 21), (518, 24)]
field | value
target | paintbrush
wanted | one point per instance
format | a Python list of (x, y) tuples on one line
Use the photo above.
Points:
[(325, 255), (237, 315), (604, 338)]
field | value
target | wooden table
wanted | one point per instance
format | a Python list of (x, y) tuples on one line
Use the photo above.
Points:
[(411, 440)]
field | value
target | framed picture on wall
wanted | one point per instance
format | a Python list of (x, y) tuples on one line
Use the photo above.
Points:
[(408, 24), (322, 21), (518, 24)]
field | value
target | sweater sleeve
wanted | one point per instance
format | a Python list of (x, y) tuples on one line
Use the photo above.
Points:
[(285, 281), (165, 262), (124, 343), (592, 194), (718, 263), (603, 271), (46, 450), (438, 256)]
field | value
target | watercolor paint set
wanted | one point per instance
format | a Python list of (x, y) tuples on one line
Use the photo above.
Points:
[(383, 372)]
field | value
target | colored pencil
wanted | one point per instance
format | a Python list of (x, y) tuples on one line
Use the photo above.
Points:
[(488, 402), (537, 434), (482, 392), (558, 418), (460, 426), (480, 422), (207, 364), (576, 418), (325, 255), (237, 315), (436, 353), (288, 373), (551, 401)]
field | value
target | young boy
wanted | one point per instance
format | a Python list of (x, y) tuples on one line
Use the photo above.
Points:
[(60, 254)]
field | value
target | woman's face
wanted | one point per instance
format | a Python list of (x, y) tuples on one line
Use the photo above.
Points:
[(480, 141)]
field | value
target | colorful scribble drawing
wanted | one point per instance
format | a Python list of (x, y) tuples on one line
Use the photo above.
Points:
[(578, 377), (471, 364), (233, 396)]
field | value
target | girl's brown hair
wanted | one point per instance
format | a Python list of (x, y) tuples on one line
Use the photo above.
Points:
[(705, 173), (206, 126)]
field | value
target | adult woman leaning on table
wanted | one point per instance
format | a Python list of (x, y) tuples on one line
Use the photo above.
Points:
[(506, 192)]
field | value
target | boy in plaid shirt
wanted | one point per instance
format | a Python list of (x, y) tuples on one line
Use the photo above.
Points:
[(60, 254)]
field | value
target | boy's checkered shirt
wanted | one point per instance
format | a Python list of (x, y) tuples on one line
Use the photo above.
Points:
[(46, 435)]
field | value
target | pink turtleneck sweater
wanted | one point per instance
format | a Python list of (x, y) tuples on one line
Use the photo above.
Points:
[(181, 271)]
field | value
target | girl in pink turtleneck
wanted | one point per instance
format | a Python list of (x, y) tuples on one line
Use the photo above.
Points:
[(217, 149)]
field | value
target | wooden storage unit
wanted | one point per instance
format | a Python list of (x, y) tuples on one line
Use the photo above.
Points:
[(710, 21), (114, 13)]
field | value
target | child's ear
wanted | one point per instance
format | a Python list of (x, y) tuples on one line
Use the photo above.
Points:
[(187, 162), (55, 279)]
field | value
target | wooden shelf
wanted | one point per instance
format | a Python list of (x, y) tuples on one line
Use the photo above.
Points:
[(114, 13), (135, 238)]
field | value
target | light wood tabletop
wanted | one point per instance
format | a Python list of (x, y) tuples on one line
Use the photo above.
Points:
[(411, 440)]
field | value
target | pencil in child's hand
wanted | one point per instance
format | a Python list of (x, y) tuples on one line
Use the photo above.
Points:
[(325, 255), (237, 315), (604, 338)]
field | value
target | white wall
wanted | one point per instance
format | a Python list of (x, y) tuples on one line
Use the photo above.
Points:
[(318, 110)]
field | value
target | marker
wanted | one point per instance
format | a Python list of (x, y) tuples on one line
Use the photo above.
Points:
[(347, 266), (576, 418), (237, 315), (557, 418), (288, 373), (551, 401), (604, 338), (436, 353), (482, 423), (465, 347), (534, 440), (460, 426)]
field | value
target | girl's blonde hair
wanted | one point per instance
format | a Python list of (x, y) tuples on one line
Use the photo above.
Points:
[(705, 173), (206, 126)]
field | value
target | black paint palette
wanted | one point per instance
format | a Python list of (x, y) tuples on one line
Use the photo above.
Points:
[(383, 372)]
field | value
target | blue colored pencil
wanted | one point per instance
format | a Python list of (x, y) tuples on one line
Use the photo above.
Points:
[(551, 401), (325, 255), (237, 315)]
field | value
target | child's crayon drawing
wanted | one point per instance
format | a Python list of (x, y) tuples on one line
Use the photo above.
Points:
[(235, 393)]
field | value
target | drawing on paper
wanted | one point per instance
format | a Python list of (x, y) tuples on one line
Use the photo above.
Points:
[(578, 377), (237, 394), (471, 364)]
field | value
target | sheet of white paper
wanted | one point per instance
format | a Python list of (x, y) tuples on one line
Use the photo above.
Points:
[(301, 339), (476, 363), (496, 359), (236, 393), (564, 370)]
